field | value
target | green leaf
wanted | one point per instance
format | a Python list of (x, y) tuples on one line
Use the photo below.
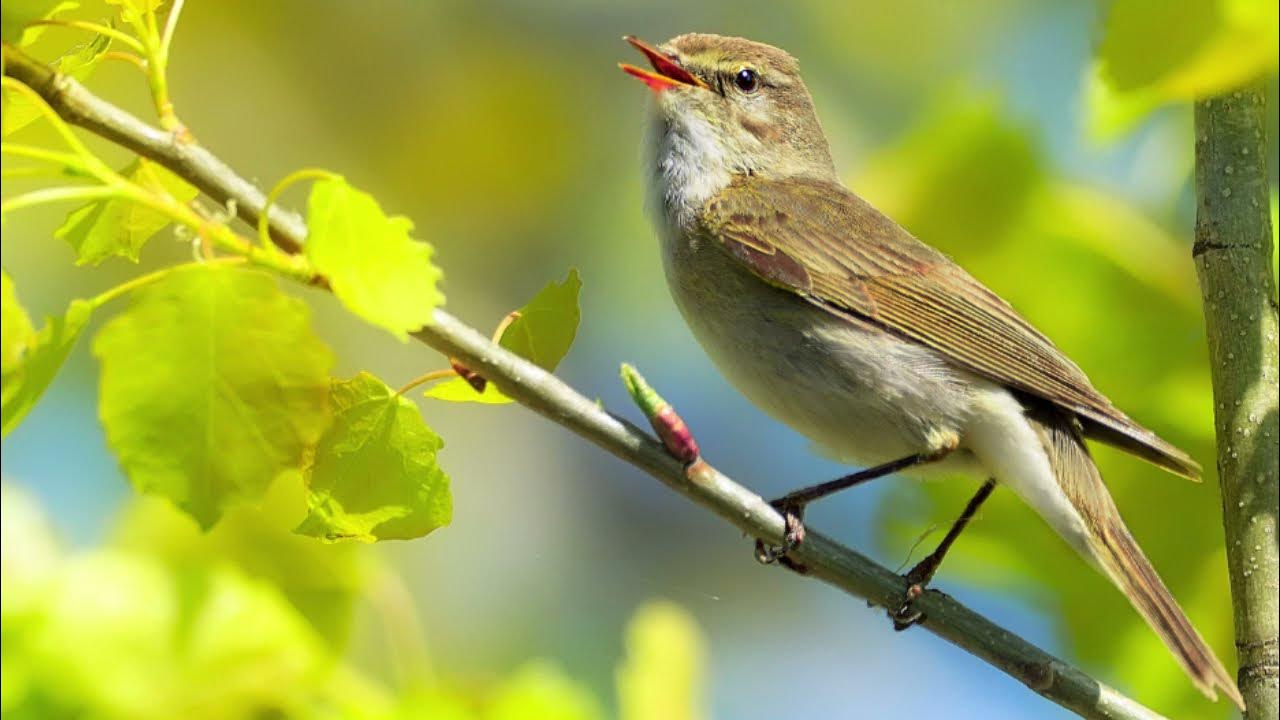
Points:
[(375, 475), (115, 226), (662, 676), (373, 266), (456, 389), (1160, 51), (213, 384), (19, 109), (542, 333), (547, 325), (44, 355), (15, 326)]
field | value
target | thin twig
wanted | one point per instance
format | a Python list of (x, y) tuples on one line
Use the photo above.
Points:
[(550, 397)]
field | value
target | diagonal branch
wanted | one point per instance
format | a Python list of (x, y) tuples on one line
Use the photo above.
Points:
[(550, 397)]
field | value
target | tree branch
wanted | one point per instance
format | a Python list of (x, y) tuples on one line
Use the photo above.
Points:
[(552, 398), (1233, 253)]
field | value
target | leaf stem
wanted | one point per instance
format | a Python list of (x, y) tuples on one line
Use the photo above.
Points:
[(59, 125), (425, 378), (170, 24), (141, 281), (29, 171), (58, 194), (501, 330), (264, 234), (126, 57), (93, 27)]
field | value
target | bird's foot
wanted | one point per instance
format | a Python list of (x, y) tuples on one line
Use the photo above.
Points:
[(792, 535), (906, 614)]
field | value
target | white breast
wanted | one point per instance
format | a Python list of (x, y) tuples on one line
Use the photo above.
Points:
[(687, 165)]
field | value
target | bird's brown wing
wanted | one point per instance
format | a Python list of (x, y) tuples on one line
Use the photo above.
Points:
[(817, 239)]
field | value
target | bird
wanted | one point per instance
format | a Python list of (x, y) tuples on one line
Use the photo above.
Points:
[(835, 320)]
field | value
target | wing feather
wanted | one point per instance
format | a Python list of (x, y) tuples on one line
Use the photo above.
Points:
[(821, 241)]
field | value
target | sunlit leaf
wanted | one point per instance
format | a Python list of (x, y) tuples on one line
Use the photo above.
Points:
[(373, 266), (15, 327), (663, 673), (19, 109), (115, 226), (458, 390), (546, 326), (542, 333), (375, 475), (540, 691), (1160, 51), (212, 384), (27, 381)]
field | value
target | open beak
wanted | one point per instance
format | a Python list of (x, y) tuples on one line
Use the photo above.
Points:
[(666, 74)]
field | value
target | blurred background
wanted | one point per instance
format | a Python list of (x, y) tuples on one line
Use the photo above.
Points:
[(506, 132)]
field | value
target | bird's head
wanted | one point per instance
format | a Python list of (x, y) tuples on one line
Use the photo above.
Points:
[(733, 104)]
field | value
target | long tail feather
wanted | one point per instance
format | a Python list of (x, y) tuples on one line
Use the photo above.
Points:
[(1119, 556)]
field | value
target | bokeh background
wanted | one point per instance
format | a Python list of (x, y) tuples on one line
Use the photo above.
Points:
[(505, 131)]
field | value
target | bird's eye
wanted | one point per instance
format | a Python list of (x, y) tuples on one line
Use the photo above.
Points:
[(747, 80)]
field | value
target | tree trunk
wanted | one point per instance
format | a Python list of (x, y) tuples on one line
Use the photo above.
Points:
[(1233, 253)]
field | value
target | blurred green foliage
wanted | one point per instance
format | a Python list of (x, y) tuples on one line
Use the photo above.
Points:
[(196, 626), (1159, 51)]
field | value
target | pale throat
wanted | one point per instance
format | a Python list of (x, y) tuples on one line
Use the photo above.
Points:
[(688, 165)]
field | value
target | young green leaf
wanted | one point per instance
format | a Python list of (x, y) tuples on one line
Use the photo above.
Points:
[(456, 389), (20, 110), (15, 327), (375, 475), (547, 325), (40, 359), (542, 333), (213, 383), (114, 226), (373, 266)]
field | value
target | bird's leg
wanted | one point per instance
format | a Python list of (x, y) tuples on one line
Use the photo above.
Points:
[(920, 575), (793, 504)]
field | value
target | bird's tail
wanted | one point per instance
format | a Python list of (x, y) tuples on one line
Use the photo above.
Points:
[(1118, 555)]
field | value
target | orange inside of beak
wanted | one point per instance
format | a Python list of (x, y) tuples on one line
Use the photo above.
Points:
[(666, 72)]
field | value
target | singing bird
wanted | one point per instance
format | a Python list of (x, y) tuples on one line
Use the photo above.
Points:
[(838, 322)]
